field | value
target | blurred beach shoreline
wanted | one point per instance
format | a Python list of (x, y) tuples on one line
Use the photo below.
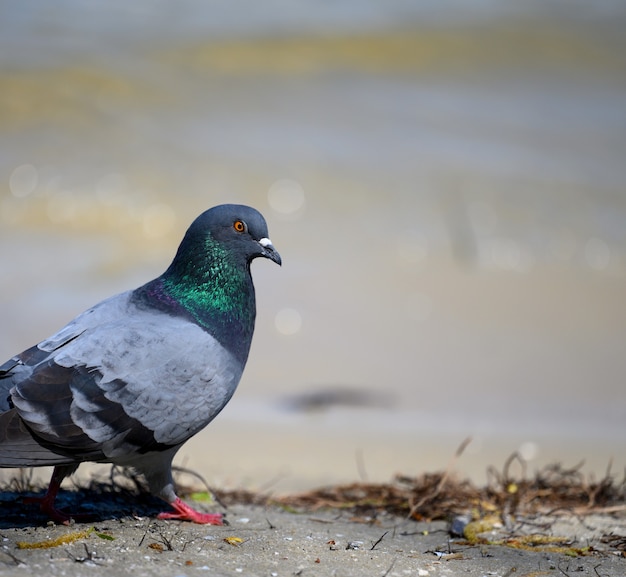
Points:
[(447, 190)]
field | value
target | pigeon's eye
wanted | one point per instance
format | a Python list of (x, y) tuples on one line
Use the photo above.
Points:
[(240, 226)]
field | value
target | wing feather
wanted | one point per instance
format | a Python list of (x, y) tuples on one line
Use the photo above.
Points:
[(118, 380)]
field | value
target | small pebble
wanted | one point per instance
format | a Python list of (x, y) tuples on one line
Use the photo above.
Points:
[(458, 525)]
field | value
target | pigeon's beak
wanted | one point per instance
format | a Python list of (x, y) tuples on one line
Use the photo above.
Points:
[(268, 251)]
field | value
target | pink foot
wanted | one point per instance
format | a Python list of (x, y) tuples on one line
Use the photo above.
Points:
[(46, 504), (185, 513)]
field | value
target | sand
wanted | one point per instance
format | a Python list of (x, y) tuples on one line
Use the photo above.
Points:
[(271, 541)]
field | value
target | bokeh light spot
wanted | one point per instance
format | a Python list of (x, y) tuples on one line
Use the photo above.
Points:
[(288, 321), (505, 253), (509, 254), (286, 197), (528, 451), (597, 253), (23, 180), (110, 187)]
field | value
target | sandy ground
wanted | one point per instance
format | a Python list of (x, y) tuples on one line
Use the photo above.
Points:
[(271, 541)]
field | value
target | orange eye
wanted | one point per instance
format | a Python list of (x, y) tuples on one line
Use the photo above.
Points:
[(240, 226)]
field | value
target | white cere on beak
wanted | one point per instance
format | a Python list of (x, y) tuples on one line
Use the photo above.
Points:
[(265, 242)]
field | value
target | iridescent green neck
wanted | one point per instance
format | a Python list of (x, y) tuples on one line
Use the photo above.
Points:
[(215, 289)]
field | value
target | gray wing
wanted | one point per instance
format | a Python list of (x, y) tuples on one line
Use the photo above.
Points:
[(117, 381)]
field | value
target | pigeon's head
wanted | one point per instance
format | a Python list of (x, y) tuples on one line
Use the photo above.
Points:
[(238, 229)]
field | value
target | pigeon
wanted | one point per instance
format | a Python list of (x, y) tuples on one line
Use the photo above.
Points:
[(131, 379)]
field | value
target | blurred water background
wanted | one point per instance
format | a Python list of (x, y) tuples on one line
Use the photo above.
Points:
[(446, 183)]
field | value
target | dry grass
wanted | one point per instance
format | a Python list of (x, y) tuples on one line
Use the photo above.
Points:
[(549, 493), (436, 496)]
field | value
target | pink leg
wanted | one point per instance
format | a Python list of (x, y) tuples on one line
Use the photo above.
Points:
[(46, 502), (185, 513)]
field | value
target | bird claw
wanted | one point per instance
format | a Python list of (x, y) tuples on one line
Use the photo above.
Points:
[(47, 507), (185, 513)]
